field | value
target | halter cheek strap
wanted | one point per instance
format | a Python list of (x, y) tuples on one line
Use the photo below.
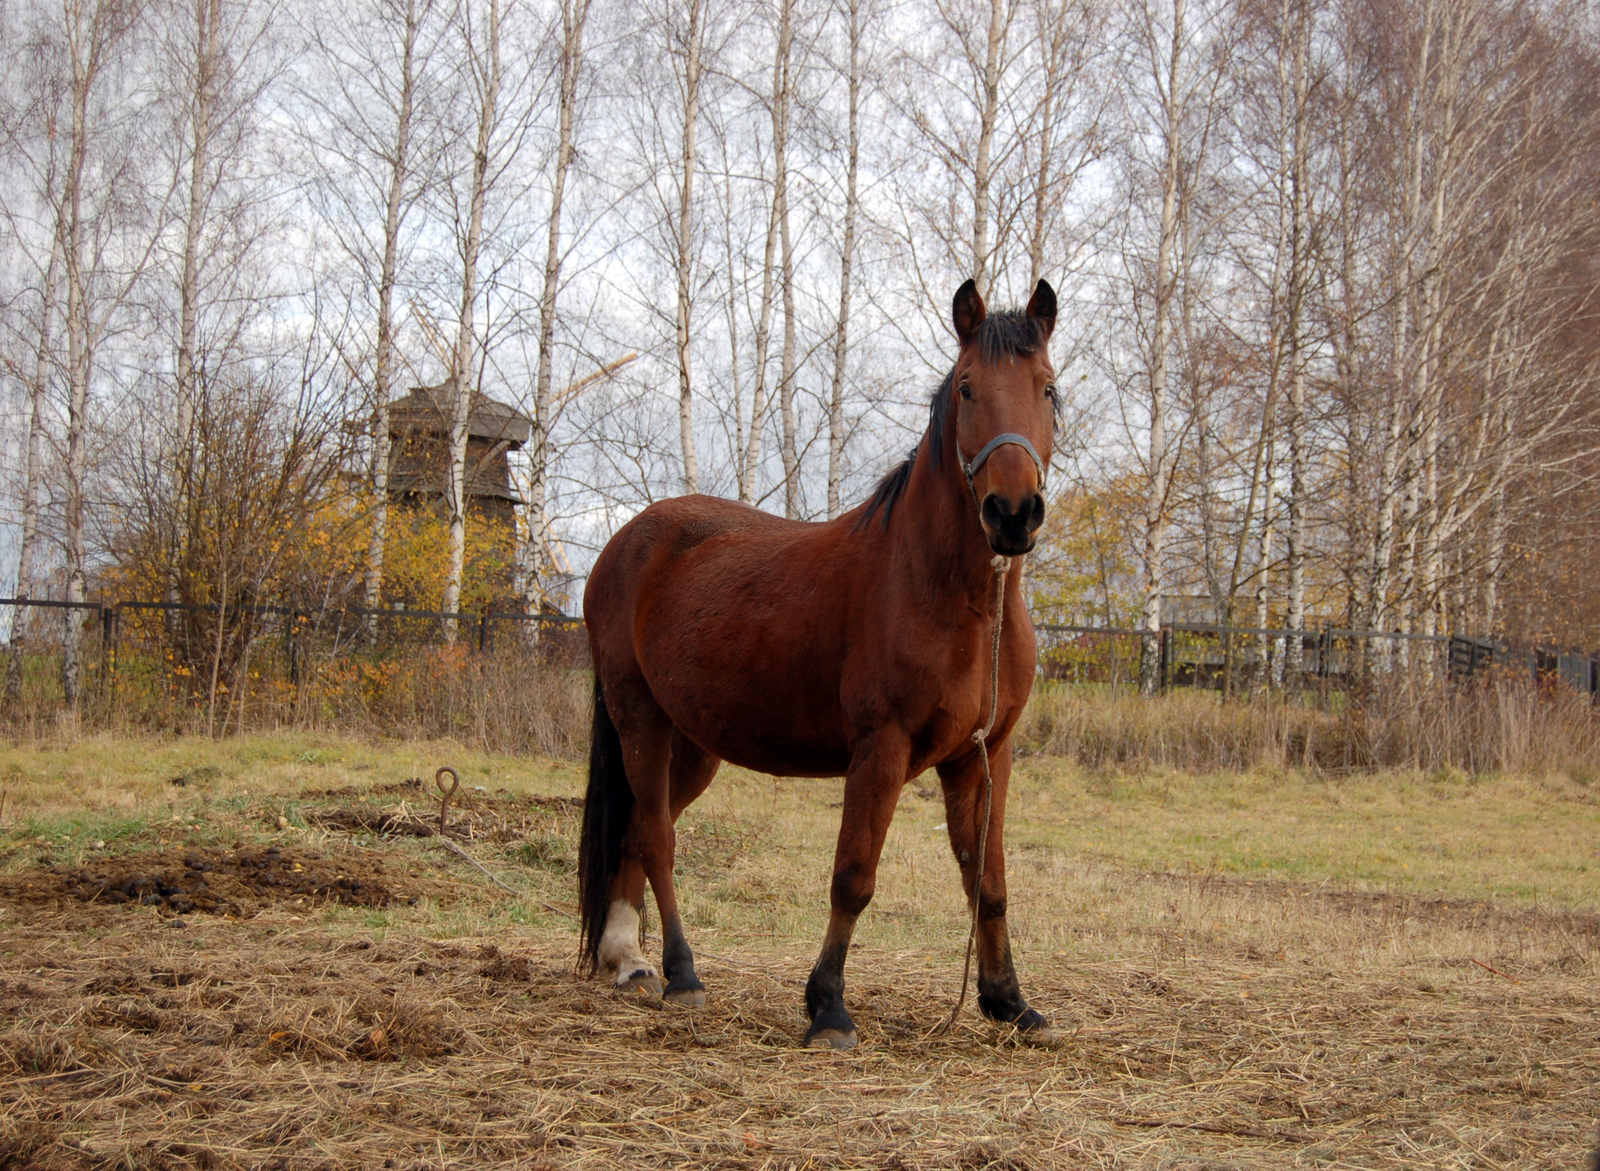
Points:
[(970, 470)]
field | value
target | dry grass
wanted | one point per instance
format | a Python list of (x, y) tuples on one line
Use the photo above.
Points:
[(1220, 1012), (1501, 727), (511, 700), (523, 700)]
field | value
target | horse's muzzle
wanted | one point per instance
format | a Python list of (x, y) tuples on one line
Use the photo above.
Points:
[(1011, 528)]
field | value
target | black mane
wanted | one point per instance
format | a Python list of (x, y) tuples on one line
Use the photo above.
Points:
[(1010, 333)]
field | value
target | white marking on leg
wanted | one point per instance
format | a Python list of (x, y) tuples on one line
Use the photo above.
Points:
[(620, 956)]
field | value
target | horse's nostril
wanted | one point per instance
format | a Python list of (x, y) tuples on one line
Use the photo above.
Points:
[(993, 511), (1036, 513)]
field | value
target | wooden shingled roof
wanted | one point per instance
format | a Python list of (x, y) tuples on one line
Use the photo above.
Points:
[(426, 409)]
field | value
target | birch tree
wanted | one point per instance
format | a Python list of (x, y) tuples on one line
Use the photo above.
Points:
[(203, 86), (380, 135), (777, 225), (574, 15), (847, 250), (689, 52), (219, 66), (1163, 61), (783, 84), (483, 75), (100, 134), (33, 482)]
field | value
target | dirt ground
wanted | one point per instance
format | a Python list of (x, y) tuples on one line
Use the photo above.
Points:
[(344, 992)]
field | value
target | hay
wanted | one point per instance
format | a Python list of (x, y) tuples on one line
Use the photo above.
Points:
[(1210, 1019), (292, 1042)]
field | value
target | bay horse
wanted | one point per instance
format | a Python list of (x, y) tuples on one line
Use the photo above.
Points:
[(858, 647)]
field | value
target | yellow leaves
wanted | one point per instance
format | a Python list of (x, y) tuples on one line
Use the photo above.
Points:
[(416, 560), (1086, 569)]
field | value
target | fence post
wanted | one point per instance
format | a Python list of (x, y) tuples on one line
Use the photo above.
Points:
[(108, 657), (116, 639), (291, 634), (483, 630), (1165, 661)]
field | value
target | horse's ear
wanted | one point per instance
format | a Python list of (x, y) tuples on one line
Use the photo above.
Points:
[(967, 311), (1042, 309)]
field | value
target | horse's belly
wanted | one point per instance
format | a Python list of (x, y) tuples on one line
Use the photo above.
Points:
[(786, 760), (756, 723)]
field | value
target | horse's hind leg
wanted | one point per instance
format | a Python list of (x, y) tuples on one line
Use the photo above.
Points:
[(691, 771), (666, 772), (645, 735)]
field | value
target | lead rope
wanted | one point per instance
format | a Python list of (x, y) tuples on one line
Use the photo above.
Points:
[(981, 737)]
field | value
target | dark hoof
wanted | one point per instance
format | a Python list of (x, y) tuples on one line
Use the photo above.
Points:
[(1033, 1029), (686, 997), (831, 1039), (643, 983)]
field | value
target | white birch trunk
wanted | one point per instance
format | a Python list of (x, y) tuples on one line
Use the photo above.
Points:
[(691, 117), (989, 116), (208, 22), (488, 83), (791, 456), (38, 396), (383, 359), (80, 350), (1299, 273), (574, 14), (846, 257), (1155, 503), (758, 400)]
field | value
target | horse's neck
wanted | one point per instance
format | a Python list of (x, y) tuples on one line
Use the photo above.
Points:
[(940, 541)]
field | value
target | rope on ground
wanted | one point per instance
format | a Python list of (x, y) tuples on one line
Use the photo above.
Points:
[(439, 835), (981, 738)]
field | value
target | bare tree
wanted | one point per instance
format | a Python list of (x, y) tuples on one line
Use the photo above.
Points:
[(33, 483), (776, 225), (694, 42), (381, 150), (207, 64), (94, 34), (1067, 37), (1166, 52), (1298, 19), (982, 175), (29, 142), (574, 14), (847, 250), (484, 77), (783, 84)]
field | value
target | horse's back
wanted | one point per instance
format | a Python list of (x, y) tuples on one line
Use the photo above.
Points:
[(651, 543)]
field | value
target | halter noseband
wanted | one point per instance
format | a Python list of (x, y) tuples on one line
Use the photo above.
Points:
[(970, 470)]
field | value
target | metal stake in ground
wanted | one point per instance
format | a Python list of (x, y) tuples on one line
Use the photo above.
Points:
[(445, 794)]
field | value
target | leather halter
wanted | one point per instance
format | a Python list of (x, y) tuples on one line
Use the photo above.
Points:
[(970, 470)]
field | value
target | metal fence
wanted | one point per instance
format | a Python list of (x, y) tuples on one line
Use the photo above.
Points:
[(135, 645), (1332, 659)]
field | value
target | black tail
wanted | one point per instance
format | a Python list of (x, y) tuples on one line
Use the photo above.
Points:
[(607, 810)]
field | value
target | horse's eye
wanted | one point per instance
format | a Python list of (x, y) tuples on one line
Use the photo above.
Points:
[(966, 392), (1050, 392)]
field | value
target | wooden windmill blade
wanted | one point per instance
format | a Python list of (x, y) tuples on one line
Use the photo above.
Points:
[(431, 331)]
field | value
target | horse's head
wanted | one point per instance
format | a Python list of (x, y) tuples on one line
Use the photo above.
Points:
[(1005, 399)]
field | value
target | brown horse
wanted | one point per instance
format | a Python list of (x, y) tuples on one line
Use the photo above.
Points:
[(858, 647)]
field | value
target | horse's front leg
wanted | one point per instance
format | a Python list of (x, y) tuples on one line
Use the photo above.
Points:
[(999, 995), (871, 789)]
